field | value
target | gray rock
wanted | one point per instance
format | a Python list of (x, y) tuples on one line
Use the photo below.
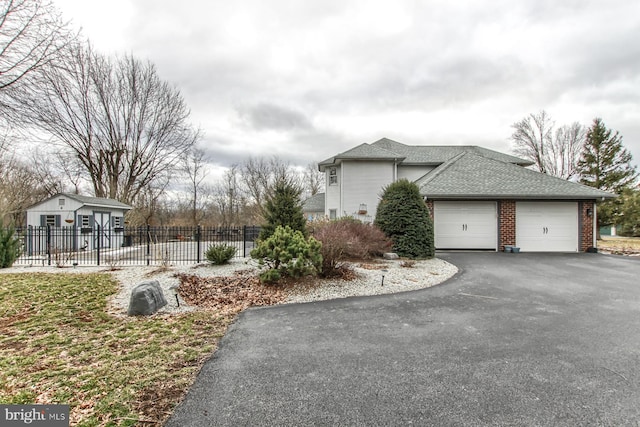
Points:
[(390, 255), (146, 299)]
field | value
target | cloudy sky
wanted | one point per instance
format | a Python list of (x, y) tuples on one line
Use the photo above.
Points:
[(305, 80)]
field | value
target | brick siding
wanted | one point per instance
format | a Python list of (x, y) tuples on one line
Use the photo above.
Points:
[(507, 223), (430, 206), (587, 212)]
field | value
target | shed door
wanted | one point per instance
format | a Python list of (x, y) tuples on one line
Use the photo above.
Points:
[(102, 228), (547, 226), (465, 225)]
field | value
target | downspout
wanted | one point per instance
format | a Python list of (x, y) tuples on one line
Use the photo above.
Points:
[(595, 224), (341, 184)]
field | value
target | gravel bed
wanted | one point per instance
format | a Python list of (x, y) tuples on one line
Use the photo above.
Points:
[(397, 278)]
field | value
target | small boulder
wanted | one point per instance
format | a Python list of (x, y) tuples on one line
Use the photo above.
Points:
[(146, 299), (390, 255)]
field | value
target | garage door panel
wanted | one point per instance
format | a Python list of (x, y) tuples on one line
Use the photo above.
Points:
[(547, 226), (465, 225)]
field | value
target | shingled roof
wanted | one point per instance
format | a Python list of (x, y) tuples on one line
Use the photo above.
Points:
[(473, 176), (388, 149), (91, 201), (438, 154), (314, 203), (362, 152)]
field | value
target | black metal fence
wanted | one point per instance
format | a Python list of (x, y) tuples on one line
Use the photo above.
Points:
[(154, 246)]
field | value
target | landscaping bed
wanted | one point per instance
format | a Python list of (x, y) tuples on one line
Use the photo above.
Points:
[(619, 245)]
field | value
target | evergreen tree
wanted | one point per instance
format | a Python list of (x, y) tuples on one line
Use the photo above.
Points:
[(629, 221), (284, 209), (9, 246), (605, 164), (403, 216)]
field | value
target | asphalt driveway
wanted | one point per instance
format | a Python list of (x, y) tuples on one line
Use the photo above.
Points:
[(513, 339)]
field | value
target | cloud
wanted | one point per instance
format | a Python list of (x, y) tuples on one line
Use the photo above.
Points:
[(267, 116), (306, 80)]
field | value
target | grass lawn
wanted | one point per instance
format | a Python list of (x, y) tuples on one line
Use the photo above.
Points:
[(58, 345), (620, 244)]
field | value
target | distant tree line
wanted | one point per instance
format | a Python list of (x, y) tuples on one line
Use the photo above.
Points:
[(73, 119), (593, 156)]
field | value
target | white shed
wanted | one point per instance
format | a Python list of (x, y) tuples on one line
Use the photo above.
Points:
[(79, 222)]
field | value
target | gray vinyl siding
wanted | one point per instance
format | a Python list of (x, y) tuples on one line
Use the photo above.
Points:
[(413, 172), (362, 183)]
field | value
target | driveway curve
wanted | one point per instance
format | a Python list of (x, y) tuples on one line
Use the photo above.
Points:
[(512, 339)]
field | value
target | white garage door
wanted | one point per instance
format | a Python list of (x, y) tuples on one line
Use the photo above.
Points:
[(465, 225), (547, 226)]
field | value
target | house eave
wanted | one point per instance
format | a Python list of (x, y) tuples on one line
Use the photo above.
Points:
[(338, 160), (513, 197)]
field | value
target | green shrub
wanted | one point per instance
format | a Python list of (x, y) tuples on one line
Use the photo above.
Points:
[(220, 254), (348, 238), (403, 216), (288, 253), (9, 246)]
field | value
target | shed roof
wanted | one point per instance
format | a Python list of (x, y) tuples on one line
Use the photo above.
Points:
[(90, 201)]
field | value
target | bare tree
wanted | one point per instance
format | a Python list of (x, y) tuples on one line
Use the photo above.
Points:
[(194, 167), (260, 176), (149, 203), (57, 171), (21, 185), (32, 35), (554, 153), (564, 153), (229, 198), (313, 179), (125, 125), (532, 138)]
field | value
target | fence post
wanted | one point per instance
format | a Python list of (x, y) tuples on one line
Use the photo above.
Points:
[(198, 240), (48, 244), (29, 241), (244, 241), (98, 241), (148, 244)]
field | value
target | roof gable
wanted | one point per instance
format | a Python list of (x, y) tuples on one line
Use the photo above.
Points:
[(471, 175), (362, 152)]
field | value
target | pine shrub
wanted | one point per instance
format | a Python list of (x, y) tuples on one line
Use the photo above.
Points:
[(287, 253), (220, 254), (9, 246), (403, 216)]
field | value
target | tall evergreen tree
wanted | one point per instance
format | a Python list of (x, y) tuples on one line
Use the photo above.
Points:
[(285, 209), (605, 164)]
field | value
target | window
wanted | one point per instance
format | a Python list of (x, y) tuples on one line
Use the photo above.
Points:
[(332, 213), (50, 220), (61, 202), (117, 221), (333, 176), (85, 221)]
